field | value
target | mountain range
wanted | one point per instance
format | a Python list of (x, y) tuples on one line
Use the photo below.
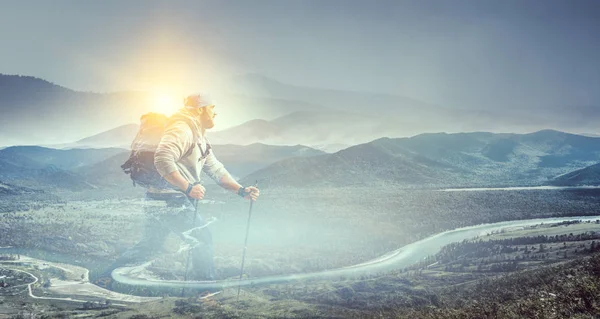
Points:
[(39, 167), (352, 101), (288, 130), (35, 111), (239, 161), (41, 157), (426, 160), (81, 169), (329, 131), (432, 160), (413, 116), (258, 110)]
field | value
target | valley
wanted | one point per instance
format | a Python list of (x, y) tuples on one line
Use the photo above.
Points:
[(439, 286), (317, 212)]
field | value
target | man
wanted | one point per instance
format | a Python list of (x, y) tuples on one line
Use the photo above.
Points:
[(180, 159), (181, 171)]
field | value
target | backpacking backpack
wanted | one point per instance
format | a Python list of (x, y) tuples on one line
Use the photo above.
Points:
[(140, 165)]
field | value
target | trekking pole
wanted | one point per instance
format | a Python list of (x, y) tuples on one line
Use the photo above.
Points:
[(245, 244), (187, 262)]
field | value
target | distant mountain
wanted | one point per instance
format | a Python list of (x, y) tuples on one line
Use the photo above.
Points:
[(363, 164), (35, 111), (43, 168), (107, 173), (310, 128), (585, 176), (239, 161), (342, 128), (9, 189), (38, 112), (120, 137), (514, 118), (247, 133), (426, 160), (258, 85), (330, 148), (319, 130), (441, 160), (243, 160), (239, 108), (41, 157)]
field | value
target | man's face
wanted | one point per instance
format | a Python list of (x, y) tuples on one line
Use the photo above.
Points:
[(207, 117)]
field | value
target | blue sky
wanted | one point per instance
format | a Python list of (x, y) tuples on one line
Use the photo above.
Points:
[(475, 54)]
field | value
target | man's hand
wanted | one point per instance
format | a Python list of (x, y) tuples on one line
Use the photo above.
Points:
[(197, 191), (252, 193)]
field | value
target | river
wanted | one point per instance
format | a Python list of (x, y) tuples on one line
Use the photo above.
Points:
[(394, 260), (398, 259)]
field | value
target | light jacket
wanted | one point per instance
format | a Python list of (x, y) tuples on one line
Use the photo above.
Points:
[(176, 141)]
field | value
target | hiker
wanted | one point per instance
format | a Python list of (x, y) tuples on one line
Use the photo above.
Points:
[(180, 159)]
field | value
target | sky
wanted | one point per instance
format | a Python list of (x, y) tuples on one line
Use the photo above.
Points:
[(462, 53)]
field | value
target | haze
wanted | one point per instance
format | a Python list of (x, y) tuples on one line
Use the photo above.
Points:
[(464, 54)]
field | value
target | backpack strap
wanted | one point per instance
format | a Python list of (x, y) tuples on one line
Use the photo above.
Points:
[(206, 152)]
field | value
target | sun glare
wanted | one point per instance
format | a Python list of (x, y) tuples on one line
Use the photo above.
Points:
[(165, 103)]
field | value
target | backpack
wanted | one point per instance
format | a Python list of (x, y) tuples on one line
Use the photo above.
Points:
[(140, 165)]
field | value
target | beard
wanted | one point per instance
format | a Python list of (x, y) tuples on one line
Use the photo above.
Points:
[(207, 122)]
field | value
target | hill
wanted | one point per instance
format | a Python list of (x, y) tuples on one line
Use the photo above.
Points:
[(36, 111), (118, 137), (443, 159), (585, 176), (239, 161), (40, 157), (61, 115), (258, 85), (9, 189), (426, 116), (80, 169), (46, 168)]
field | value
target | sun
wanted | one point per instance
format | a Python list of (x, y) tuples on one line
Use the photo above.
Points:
[(165, 103)]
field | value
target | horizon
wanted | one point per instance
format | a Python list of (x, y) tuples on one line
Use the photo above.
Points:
[(73, 145), (65, 144), (509, 67), (397, 47)]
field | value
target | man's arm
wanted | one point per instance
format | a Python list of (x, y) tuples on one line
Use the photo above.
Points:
[(228, 183), (177, 180), (176, 139), (216, 170)]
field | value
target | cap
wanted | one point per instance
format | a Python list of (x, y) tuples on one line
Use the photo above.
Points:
[(197, 101)]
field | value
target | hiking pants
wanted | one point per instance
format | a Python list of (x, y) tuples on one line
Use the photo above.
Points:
[(165, 213)]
